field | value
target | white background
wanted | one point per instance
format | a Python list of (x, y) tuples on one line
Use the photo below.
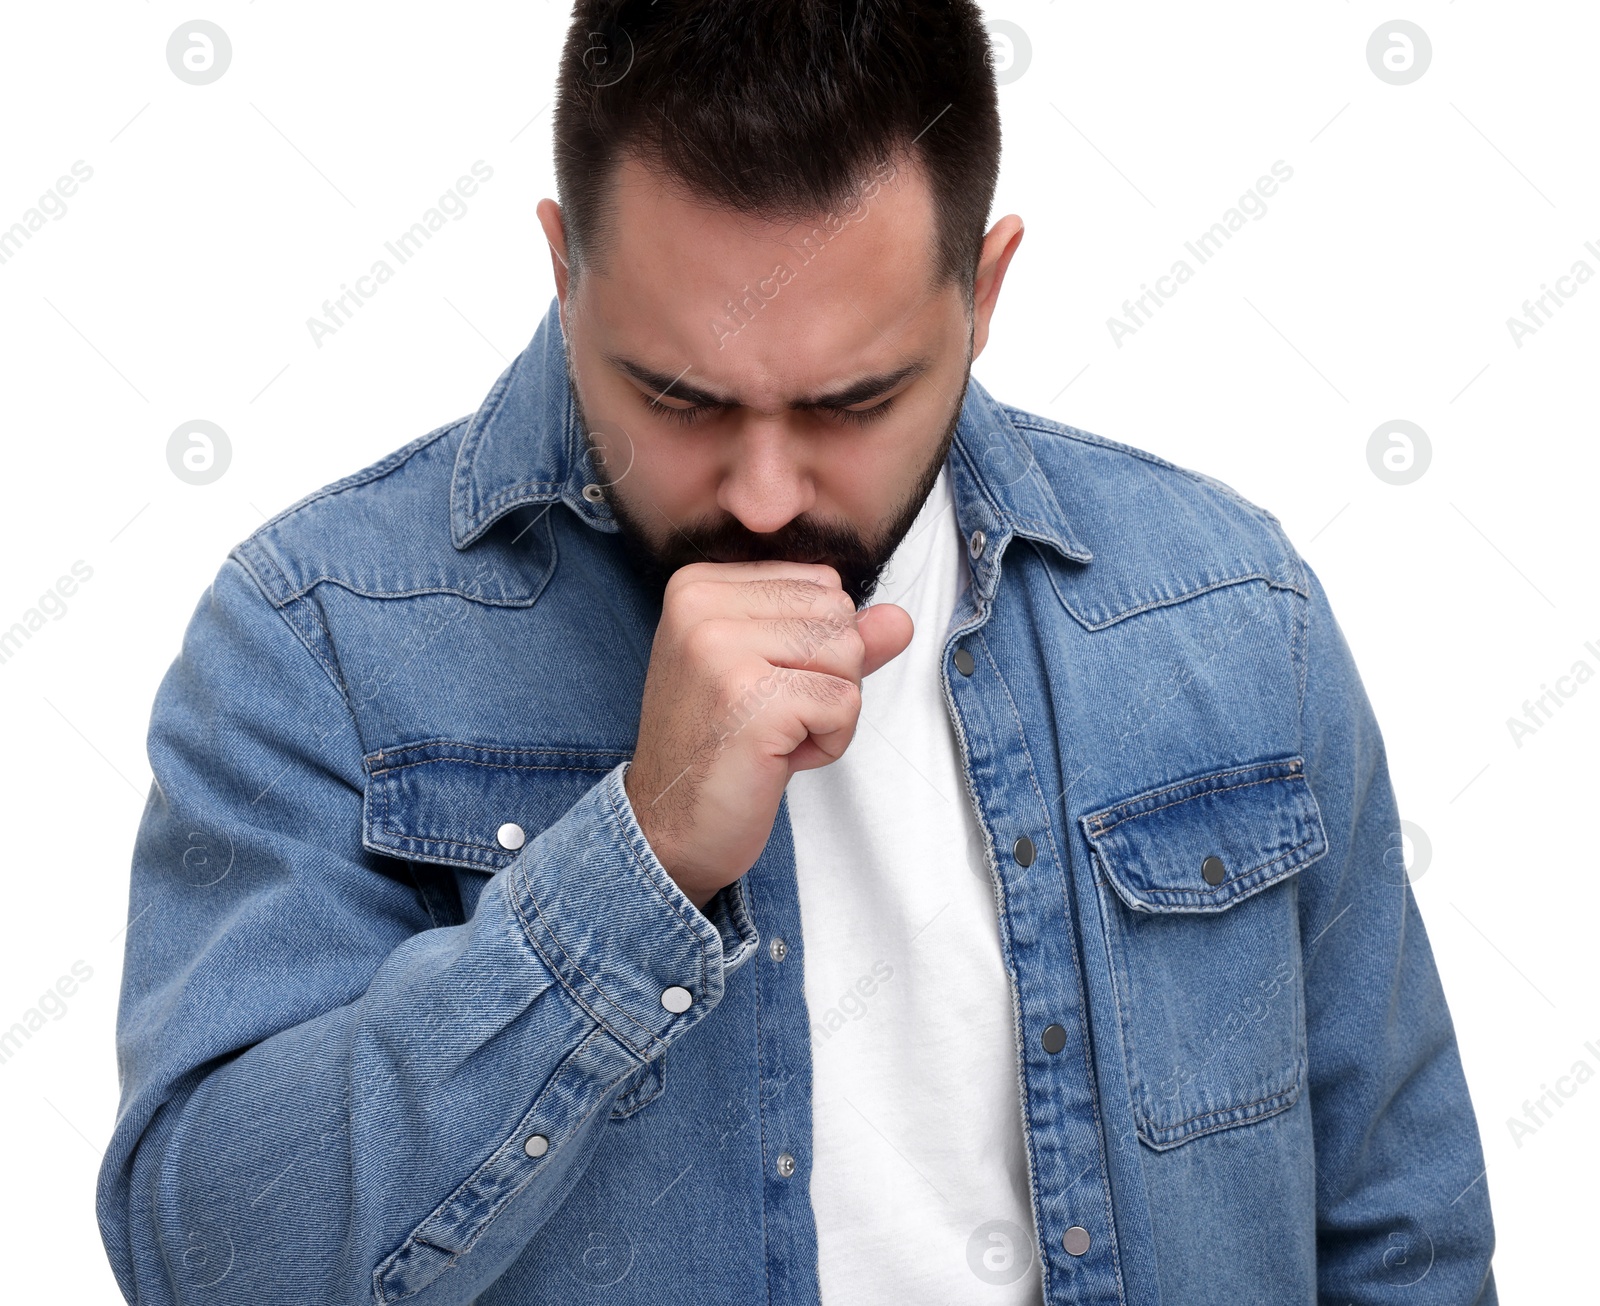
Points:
[(1377, 287)]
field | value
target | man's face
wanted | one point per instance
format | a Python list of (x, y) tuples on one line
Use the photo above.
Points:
[(748, 395)]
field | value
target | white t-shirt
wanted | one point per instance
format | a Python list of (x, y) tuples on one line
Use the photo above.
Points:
[(919, 1180)]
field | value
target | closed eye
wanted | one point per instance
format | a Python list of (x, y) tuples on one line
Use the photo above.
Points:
[(859, 416)]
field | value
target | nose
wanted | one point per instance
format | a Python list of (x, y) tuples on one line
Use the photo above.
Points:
[(767, 481)]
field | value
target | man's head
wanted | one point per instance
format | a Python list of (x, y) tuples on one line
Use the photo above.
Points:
[(772, 266)]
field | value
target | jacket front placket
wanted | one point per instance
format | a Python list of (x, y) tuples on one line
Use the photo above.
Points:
[(990, 656)]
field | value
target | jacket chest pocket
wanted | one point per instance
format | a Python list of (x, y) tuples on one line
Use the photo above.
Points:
[(1198, 903), (466, 810)]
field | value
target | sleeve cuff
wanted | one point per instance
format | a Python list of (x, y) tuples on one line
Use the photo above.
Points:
[(618, 932)]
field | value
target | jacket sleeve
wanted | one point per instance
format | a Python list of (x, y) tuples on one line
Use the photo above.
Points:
[(1402, 1198), (324, 1098)]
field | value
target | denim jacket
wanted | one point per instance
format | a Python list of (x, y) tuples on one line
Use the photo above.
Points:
[(392, 1024)]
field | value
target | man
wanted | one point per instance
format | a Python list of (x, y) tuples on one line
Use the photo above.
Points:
[(560, 884)]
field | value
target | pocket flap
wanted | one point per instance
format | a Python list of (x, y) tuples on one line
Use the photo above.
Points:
[(1205, 843), (446, 800)]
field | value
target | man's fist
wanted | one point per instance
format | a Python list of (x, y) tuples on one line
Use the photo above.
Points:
[(755, 673)]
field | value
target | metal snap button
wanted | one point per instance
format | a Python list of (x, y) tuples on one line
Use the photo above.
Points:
[(964, 662), (1075, 1240), (1213, 871), (785, 1164), (511, 836), (593, 493), (778, 949), (1054, 1039), (1023, 851), (676, 999), (975, 543), (537, 1145)]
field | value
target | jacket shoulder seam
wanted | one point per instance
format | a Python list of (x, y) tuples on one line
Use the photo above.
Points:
[(376, 471), (1262, 516), (326, 660)]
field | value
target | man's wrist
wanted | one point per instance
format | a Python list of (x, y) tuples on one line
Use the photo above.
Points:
[(659, 845)]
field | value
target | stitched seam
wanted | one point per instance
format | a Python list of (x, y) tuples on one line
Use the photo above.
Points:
[(1284, 1093), (474, 596), (1302, 1043), (652, 1040), (423, 844), (467, 749), (501, 1154), (1183, 784), (469, 856), (1140, 1101), (426, 842), (1215, 1113), (472, 447), (1225, 1111), (327, 666), (1034, 422), (651, 1036), (253, 558), (740, 920), (1167, 602), (488, 1165), (1293, 565), (977, 480), (644, 870), (1179, 802), (642, 1096), (1053, 529), (1072, 946), (761, 1126), (321, 579), (377, 471), (647, 1080), (1099, 1130), (992, 853), (524, 487), (1048, 426), (1300, 657), (333, 672), (1236, 878), (460, 850), (501, 766), (1027, 753)]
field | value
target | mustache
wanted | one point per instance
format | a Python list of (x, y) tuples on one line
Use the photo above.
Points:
[(800, 540)]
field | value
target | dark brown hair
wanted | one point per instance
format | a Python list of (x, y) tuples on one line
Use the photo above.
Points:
[(781, 109)]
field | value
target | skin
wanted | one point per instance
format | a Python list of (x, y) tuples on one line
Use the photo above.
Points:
[(765, 522)]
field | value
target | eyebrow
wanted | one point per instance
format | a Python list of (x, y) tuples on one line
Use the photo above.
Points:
[(867, 387)]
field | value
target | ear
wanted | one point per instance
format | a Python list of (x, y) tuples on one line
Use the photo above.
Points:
[(993, 260), (555, 235)]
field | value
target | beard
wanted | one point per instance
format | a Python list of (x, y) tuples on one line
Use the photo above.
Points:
[(859, 559)]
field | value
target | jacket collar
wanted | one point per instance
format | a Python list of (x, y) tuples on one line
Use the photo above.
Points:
[(524, 446)]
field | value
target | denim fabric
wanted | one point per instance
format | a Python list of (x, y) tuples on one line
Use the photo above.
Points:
[(349, 1002)]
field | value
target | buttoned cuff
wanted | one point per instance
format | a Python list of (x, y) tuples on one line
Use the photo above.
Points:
[(617, 931)]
